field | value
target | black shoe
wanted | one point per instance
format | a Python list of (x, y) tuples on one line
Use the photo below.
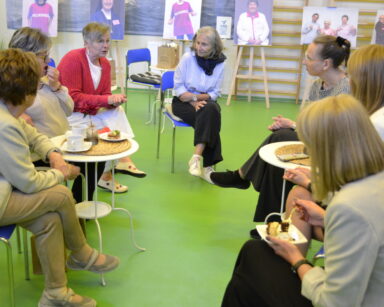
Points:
[(229, 179), (253, 233)]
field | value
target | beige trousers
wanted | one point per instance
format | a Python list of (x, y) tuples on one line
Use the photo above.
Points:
[(50, 215)]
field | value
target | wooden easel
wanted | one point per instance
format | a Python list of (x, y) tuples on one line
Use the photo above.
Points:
[(250, 75), (120, 74)]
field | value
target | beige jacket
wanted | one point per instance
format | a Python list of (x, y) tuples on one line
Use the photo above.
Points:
[(354, 248), (17, 138)]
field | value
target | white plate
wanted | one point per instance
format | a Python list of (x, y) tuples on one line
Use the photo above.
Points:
[(86, 146), (104, 136), (295, 234)]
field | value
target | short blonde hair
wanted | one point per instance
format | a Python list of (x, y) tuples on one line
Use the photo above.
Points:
[(342, 142), (214, 38), (93, 31), (19, 75), (366, 75)]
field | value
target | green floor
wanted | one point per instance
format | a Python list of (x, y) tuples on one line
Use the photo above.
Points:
[(192, 230)]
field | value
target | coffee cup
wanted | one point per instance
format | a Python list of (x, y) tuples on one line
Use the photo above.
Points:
[(75, 142), (80, 130)]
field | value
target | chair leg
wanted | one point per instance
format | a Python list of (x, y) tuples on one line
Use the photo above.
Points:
[(18, 240), (26, 255), (10, 271), (173, 150), (126, 95), (149, 103), (159, 132)]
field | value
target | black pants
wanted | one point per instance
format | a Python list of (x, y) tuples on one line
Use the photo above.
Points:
[(77, 187), (207, 125), (266, 178), (263, 279)]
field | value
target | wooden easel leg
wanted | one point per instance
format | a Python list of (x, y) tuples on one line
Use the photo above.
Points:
[(264, 65), (250, 69), (235, 71)]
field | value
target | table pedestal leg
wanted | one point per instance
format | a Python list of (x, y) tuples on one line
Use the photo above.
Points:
[(102, 280), (131, 228), (283, 197)]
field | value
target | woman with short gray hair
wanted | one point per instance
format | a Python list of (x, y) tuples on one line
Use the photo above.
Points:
[(87, 74)]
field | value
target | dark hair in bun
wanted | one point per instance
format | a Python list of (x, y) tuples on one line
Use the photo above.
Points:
[(336, 48)]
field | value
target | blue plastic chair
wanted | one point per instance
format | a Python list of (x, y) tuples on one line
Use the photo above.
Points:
[(5, 235), (142, 55), (319, 255), (166, 84)]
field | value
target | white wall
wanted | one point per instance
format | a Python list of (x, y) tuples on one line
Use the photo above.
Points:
[(67, 41)]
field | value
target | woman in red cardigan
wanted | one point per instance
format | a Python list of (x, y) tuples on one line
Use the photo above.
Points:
[(87, 74)]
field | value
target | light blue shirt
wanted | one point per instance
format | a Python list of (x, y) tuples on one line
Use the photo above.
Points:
[(190, 77)]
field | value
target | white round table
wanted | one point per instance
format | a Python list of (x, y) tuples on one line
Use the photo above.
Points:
[(96, 209), (267, 153)]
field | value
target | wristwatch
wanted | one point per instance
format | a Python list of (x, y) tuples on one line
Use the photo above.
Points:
[(194, 98), (298, 264)]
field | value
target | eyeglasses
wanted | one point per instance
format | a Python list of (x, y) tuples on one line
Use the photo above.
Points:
[(44, 57), (309, 59)]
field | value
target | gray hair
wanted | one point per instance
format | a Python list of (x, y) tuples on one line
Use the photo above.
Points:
[(30, 39), (94, 31), (214, 38)]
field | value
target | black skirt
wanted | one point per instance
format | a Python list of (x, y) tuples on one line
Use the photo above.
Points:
[(263, 279)]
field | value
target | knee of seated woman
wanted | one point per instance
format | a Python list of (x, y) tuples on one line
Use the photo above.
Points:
[(300, 192), (61, 193), (211, 106)]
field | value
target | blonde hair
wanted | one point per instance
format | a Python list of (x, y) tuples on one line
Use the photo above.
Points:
[(366, 75), (342, 142), (214, 38)]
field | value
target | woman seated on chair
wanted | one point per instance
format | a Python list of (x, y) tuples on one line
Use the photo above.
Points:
[(53, 104), (198, 79), (348, 155), (365, 69), (87, 74), (324, 58), (36, 200)]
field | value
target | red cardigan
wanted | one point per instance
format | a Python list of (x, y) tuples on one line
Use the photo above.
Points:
[(75, 74)]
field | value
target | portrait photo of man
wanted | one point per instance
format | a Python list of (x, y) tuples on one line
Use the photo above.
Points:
[(310, 30)]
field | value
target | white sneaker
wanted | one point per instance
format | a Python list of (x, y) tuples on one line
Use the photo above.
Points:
[(206, 174), (195, 166)]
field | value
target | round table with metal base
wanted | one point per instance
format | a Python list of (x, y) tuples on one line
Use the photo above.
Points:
[(93, 210)]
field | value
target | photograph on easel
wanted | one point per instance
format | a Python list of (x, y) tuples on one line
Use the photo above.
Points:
[(40, 14), (378, 29), (181, 19), (112, 13), (329, 21), (253, 22)]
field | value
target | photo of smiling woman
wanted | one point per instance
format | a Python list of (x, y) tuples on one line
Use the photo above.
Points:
[(253, 19), (111, 13)]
